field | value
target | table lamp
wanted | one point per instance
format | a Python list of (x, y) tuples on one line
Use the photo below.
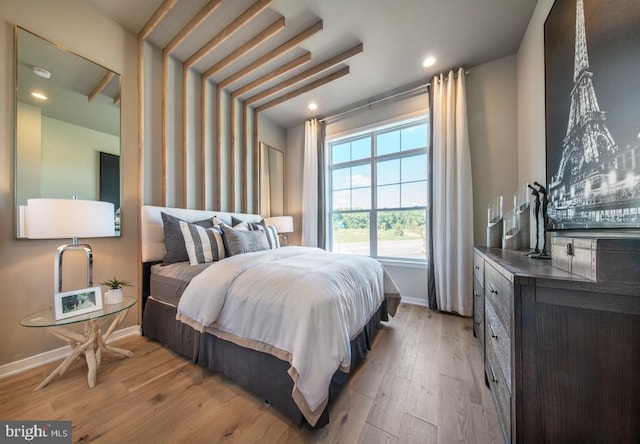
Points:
[(283, 224), (69, 218)]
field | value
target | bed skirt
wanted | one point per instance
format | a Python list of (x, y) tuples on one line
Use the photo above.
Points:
[(272, 383)]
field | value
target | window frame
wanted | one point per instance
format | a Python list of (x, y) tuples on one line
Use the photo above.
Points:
[(372, 161)]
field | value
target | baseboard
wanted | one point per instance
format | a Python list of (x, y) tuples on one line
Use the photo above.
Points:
[(415, 301), (53, 355)]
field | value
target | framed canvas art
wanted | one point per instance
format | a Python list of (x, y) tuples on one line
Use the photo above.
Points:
[(592, 61)]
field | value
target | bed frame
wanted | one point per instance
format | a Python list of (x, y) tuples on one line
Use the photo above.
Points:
[(272, 383)]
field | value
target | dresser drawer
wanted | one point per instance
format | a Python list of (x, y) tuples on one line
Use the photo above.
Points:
[(500, 392), (498, 339), (498, 292), (478, 268), (478, 311)]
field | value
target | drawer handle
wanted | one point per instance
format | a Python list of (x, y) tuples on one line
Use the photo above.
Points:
[(477, 323), (476, 294), (476, 267), (493, 334), (491, 290), (493, 375)]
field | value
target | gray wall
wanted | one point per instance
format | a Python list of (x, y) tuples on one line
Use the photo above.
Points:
[(493, 129), (531, 114), (271, 133), (531, 103), (184, 176)]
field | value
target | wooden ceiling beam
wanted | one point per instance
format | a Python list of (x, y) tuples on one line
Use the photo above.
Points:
[(306, 74), (256, 40), (101, 86), (298, 61), (232, 27), (311, 86), (193, 24), (156, 18), (282, 49)]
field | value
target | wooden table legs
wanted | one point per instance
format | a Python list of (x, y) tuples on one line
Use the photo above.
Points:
[(92, 344)]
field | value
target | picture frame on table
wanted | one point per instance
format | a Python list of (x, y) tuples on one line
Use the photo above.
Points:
[(592, 91), (77, 302)]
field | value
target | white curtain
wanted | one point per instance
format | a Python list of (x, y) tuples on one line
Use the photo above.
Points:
[(310, 185), (452, 223)]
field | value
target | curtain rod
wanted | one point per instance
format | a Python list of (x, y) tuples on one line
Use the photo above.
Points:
[(392, 95), (375, 102)]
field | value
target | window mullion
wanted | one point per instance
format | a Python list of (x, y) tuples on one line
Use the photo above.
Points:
[(373, 221)]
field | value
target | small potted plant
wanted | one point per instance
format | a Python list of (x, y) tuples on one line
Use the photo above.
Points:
[(114, 294)]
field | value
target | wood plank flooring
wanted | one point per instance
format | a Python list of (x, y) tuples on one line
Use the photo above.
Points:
[(423, 382)]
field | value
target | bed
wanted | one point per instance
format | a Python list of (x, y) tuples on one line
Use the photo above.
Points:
[(263, 309)]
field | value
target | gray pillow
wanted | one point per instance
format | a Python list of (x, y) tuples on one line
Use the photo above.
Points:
[(174, 240), (270, 232), (243, 241)]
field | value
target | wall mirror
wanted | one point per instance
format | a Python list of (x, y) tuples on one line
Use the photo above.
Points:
[(271, 181), (67, 112)]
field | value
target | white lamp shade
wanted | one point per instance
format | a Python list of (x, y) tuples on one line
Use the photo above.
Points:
[(284, 224), (68, 218)]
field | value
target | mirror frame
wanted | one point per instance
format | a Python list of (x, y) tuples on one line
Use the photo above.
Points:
[(19, 209), (263, 149)]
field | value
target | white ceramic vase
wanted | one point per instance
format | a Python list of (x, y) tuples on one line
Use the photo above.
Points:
[(113, 296)]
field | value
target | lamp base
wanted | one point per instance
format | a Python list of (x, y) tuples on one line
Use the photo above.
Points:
[(57, 266)]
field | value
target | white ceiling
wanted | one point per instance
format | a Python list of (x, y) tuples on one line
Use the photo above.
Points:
[(397, 36)]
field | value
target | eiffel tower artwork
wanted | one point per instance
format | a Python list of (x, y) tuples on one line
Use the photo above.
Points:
[(596, 182)]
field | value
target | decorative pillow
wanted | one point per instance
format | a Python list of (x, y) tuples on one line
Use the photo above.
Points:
[(173, 239), (271, 232), (243, 241), (235, 222), (202, 244), (242, 225)]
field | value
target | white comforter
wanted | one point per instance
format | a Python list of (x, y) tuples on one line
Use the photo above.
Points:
[(304, 301)]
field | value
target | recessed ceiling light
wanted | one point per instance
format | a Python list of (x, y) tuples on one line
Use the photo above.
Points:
[(429, 61), (41, 72), (39, 95), (313, 106)]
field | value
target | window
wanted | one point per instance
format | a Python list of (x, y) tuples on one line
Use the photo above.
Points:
[(378, 185)]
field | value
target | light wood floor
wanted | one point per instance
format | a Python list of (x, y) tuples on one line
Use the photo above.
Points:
[(423, 382)]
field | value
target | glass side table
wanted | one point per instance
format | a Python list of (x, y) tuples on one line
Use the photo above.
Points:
[(92, 343)]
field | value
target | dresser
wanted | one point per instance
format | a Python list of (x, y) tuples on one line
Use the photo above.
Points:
[(478, 298), (561, 353)]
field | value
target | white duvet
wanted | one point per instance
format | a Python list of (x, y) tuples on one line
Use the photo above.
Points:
[(303, 301)]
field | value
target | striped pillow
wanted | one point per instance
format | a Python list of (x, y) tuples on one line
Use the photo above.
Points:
[(270, 231), (173, 239), (203, 244)]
